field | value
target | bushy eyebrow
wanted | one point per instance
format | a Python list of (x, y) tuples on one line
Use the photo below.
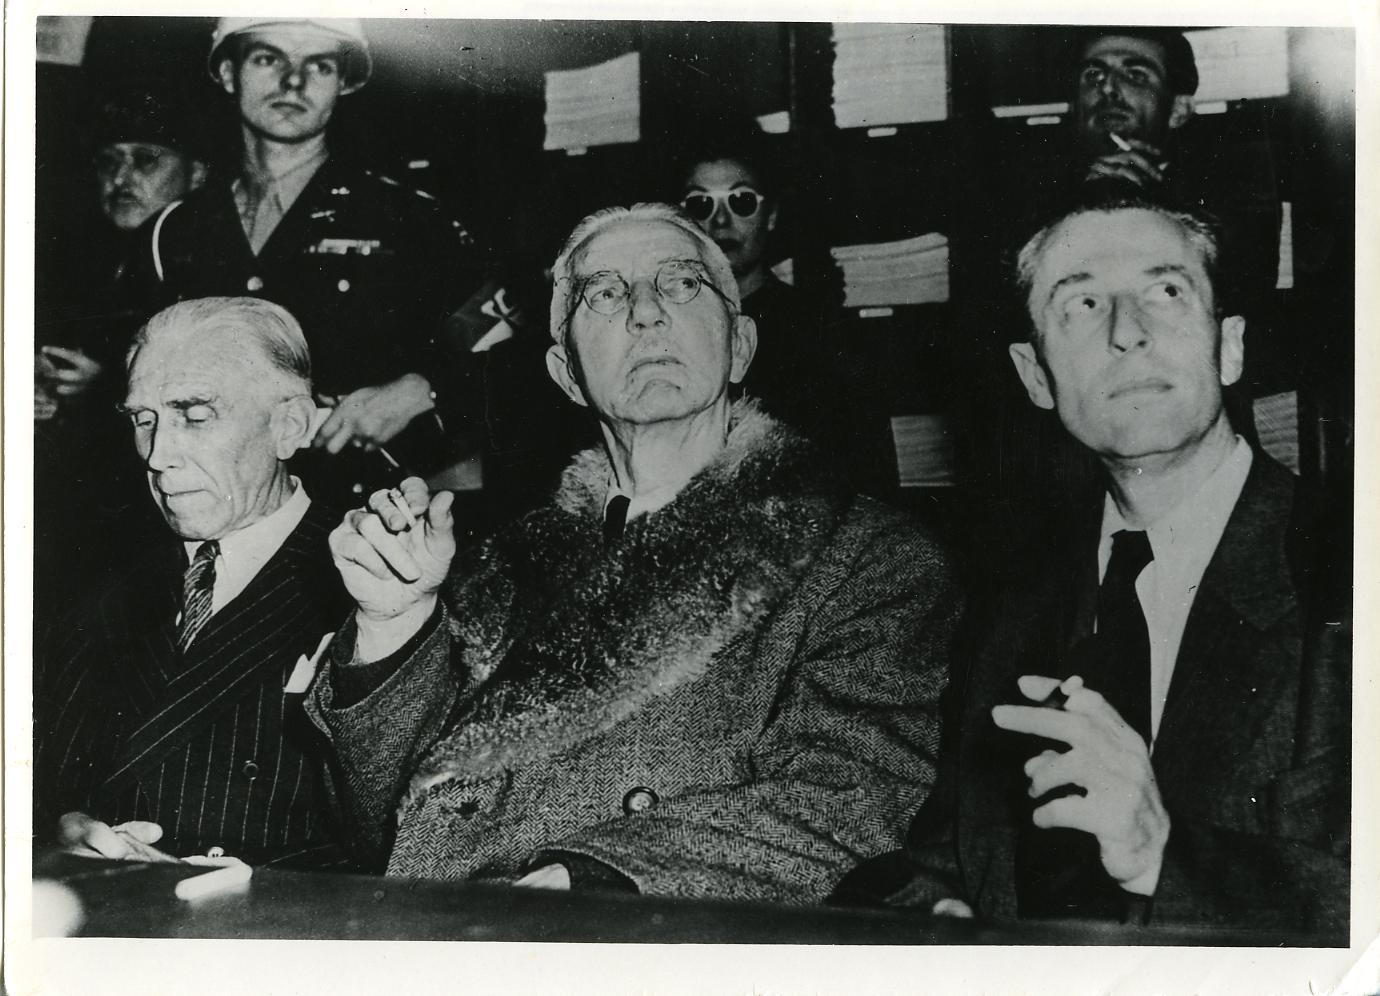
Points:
[(1139, 61)]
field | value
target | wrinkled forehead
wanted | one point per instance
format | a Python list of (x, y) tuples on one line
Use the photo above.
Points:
[(635, 246), (229, 363), (1121, 50), (1113, 245), (295, 40)]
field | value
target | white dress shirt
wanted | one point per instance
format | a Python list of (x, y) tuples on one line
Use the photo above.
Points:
[(244, 552), (1183, 542)]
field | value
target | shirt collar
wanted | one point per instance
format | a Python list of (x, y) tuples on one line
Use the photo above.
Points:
[(1186, 537), (245, 550)]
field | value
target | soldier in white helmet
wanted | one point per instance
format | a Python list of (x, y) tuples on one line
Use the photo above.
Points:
[(370, 268)]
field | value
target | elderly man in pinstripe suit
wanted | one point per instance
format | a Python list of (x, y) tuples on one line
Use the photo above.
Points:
[(168, 711)]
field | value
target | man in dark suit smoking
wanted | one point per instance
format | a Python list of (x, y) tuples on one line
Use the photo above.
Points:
[(1156, 725), (168, 711)]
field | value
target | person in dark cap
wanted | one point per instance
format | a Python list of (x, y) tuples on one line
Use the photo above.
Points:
[(1134, 88), (146, 157), (89, 508)]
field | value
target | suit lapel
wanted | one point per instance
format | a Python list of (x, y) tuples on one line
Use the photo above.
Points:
[(1222, 681), (282, 609)]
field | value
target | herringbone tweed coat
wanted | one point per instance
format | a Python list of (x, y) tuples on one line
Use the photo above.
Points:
[(762, 657)]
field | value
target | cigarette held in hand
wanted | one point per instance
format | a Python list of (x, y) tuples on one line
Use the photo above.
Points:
[(400, 503), (220, 880), (1119, 142)]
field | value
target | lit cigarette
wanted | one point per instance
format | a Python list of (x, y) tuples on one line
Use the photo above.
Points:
[(1120, 142), (389, 457), (211, 882), (396, 497)]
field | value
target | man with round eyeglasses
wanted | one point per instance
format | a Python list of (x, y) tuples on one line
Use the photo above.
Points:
[(703, 668)]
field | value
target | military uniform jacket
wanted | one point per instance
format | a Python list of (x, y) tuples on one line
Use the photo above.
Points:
[(211, 745), (736, 699), (370, 268)]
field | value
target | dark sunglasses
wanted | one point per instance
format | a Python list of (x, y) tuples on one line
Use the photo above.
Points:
[(701, 204)]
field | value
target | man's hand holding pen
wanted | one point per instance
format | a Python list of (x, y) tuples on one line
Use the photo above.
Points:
[(1109, 761)]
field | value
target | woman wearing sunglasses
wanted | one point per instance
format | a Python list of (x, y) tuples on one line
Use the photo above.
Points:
[(727, 186)]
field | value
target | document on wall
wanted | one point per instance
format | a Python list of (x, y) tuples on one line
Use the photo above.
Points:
[(1240, 63), (924, 451), (888, 74), (594, 105), (909, 271)]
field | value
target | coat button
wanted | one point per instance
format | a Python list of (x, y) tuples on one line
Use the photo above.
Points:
[(255, 283), (639, 800), (343, 285), (251, 770)]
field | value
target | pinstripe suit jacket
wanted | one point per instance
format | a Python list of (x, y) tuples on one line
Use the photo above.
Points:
[(210, 746)]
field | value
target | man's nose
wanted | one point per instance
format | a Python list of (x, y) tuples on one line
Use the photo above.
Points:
[(161, 451), (1111, 84), (1127, 331), (123, 173), (645, 307), (294, 77), (720, 218)]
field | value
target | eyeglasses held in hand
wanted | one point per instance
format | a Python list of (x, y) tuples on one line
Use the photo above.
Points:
[(142, 159), (677, 280), (701, 204)]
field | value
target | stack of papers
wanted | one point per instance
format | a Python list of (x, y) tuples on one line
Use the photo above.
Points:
[(1239, 63), (890, 74), (597, 105), (1285, 278), (924, 451), (911, 271), (1277, 426)]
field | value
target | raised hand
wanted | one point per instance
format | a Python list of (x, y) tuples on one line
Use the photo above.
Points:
[(1109, 760), (371, 416), (393, 556), (1141, 163)]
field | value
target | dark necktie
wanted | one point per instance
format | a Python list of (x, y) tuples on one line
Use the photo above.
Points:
[(197, 586), (615, 517), (1058, 871), (1124, 679)]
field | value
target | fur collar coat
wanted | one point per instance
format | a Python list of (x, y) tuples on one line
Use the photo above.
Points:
[(758, 662)]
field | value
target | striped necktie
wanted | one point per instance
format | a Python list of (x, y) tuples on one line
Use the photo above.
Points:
[(197, 586)]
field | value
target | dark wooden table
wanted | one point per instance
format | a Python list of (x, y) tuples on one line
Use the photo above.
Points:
[(125, 899)]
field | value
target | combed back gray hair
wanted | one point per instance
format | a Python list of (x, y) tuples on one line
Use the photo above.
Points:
[(1200, 229), (276, 332), (565, 292)]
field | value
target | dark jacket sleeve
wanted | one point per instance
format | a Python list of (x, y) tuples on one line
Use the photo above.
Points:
[(379, 739), (1294, 872), (845, 760)]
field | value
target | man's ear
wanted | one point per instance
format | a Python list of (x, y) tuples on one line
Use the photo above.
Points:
[(560, 365), (292, 424), (744, 347), (1181, 111), (226, 72), (1231, 360), (198, 175), (1032, 374)]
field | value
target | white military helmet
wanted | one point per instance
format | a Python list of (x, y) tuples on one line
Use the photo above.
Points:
[(356, 65)]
